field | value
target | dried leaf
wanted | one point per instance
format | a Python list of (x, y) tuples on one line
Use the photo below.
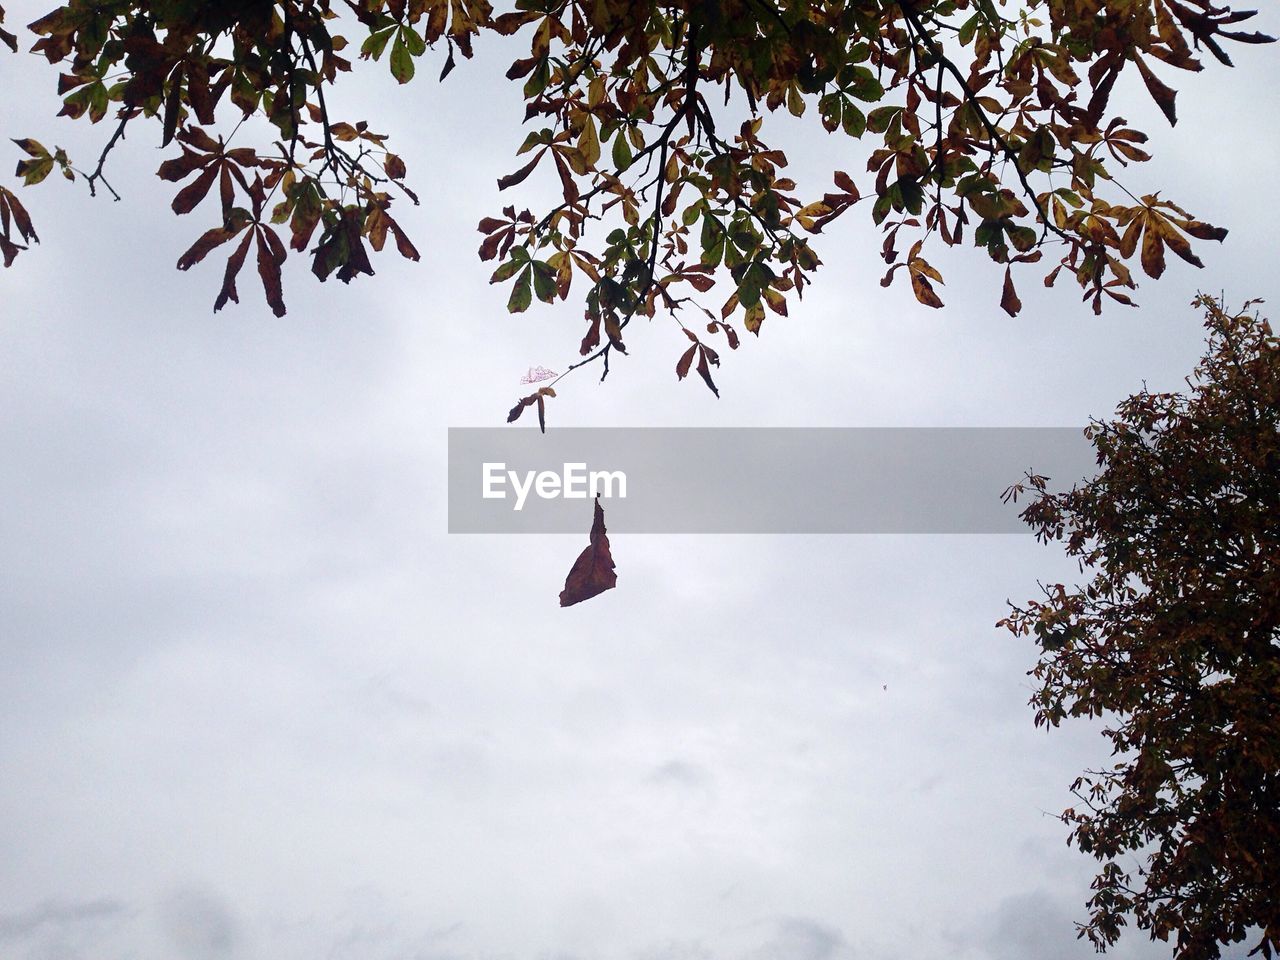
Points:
[(270, 256), (1009, 298), (234, 263), (593, 572)]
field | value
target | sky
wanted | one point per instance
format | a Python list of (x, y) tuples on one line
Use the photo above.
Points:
[(258, 704)]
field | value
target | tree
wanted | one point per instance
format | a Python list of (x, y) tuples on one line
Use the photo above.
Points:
[(1175, 640), (650, 116)]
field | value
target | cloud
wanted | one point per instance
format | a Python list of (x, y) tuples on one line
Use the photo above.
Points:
[(55, 915), (676, 950), (198, 924), (680, 773), (799, 938), (1041, 924), (1034, 925)]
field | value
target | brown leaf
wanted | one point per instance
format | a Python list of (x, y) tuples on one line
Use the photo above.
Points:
[(592, 338), (922, 288), (1163, 95), (403, 244), (514, 414), (1152, 253), (9, 250), (199, 139), (195, 191), (269, 257), (1202, 231), (179, 168), (21, 218), (207, 242), (685, 362), (172, 102), (226, 189), (704, 370), (1178, 244), (1009, 299), (394, 166), (234, 263), (593, 572), (511, 179)]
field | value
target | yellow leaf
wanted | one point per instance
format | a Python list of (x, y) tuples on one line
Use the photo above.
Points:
[(589, 142)]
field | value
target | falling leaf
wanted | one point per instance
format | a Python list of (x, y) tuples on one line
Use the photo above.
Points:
[(592, 573), (1009, 300)]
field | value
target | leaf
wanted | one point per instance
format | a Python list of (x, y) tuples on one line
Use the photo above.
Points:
[(179, 168), (589, 142), (403, 244), (191, 195), (591, 339), (375, 43), (394, 167), (593, 572), (521, 293), (1009, 298), (1152, 252), (234, 263), (1202, 231), (511, 179), (270, 255), (1161, 94), (172, 106), (704, 370), (401, 60), (685, 362), (209, 240), (449, 64), (514, 413), (32, 148), (35, 170), (622, 153), (544, 282), (921, 273), (22, 220)]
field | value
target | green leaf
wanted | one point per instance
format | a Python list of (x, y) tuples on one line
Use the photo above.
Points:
[(413, 41), (853, 120), (544, 282), (879, 119), (882, 207), (506, 271), (401, 61), (521, 293), (621, 151), (865, 86), (372, 47)]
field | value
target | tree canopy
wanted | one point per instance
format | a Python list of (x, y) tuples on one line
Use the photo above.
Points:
[(1175, 641), (983, 123)]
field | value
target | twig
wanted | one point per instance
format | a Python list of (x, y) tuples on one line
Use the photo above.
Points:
[(97, 174)]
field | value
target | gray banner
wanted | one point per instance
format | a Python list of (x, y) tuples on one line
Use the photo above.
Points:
[(754, 480)]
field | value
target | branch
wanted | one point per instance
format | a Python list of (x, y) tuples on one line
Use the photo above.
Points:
[(97, 175)]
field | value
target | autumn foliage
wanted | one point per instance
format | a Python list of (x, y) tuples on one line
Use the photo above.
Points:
[(982, 124), (1174, 642)]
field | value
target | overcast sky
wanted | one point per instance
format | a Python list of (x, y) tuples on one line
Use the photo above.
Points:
[(258, 705)]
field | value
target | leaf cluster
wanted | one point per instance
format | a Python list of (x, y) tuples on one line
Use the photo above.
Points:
[(980, 125)]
